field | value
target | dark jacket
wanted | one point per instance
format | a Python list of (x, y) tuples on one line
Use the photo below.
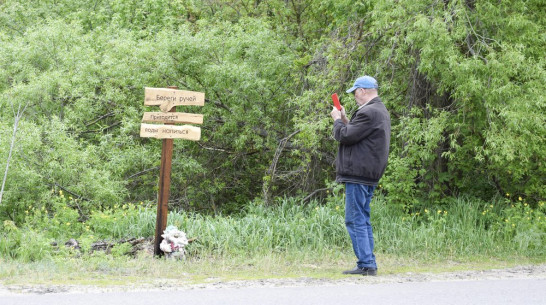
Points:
[(363, 144)]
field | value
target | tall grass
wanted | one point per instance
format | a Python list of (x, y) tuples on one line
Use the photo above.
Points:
[(288, 227), (457, 231), (453, 232), (466, 228)]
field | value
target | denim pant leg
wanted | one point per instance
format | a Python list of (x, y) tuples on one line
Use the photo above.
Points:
[(357, 222)]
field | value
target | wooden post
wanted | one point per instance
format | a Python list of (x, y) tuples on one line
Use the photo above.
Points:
[(164, 188), (167, 99)]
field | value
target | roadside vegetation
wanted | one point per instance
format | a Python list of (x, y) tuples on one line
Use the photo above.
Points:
[(286, 239)]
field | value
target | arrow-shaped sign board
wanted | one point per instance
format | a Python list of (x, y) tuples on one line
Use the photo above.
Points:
[(167, 98), (170, 132)]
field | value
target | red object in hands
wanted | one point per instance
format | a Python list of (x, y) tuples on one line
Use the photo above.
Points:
[(336, 101)]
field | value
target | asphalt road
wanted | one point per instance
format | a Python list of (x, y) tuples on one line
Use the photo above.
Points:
[(501, 291)]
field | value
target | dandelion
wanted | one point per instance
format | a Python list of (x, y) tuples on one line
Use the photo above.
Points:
[(70, 197), (439, 211), (61, 192), (519, 198), (68, 224), (507, 195), (337, 207), (426, 211)]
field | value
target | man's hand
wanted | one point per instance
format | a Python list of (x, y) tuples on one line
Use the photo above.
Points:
[(339, 115), (336, 114)]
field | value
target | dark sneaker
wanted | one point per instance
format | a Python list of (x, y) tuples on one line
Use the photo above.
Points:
[(362, 271)]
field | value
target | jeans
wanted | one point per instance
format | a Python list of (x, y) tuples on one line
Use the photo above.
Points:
[(357, 222)]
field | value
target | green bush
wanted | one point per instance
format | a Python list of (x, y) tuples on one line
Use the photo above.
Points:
[(24, 244), (463, 81), (524, 227), (58, 219)]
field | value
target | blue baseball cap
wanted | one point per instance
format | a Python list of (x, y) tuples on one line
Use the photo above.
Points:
[(366, 82)]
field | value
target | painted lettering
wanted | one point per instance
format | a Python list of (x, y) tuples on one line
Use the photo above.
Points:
[(165, 98), (164, 117), (175, 131), (183, 99)]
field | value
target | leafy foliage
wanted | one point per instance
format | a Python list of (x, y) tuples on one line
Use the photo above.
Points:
[(464, 82)]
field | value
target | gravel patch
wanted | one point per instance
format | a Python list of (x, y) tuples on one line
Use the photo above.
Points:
[(519, 272)]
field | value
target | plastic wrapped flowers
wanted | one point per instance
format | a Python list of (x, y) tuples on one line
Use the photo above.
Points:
[(174, 242)]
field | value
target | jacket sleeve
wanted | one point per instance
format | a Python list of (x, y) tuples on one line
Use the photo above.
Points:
[(356, 130)]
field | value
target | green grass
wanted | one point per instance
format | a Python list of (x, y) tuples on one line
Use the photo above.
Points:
[(284, 240), (149, 272)]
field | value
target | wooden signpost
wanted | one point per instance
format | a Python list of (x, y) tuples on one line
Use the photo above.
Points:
[(167, 100)]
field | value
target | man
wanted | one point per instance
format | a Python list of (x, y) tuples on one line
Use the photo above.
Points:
[(361, 161)]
